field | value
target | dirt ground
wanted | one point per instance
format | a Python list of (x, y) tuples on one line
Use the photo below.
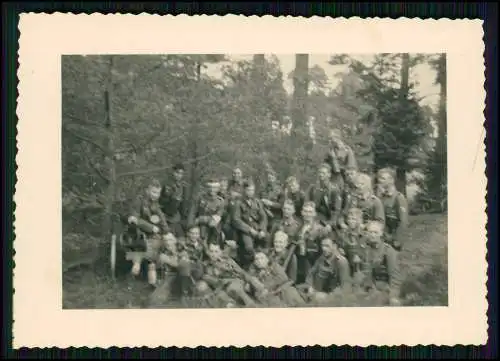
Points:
[(424, 263)]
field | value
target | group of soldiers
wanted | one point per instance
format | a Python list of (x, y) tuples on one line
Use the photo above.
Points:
[(286, 245)]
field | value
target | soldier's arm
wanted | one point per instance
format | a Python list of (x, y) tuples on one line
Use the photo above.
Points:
[(344, 271), (312, 272), (378, 211), (193, 211), (211, 280), (263, 218), (292, 269), (183, 203), (351, 159), (336, 207), (402, 216), (238, 223), (394, 273)]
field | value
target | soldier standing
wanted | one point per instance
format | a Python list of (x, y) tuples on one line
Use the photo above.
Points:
[(364, 199), (270, 197), (235, 187), (340, 157), (380, 264), (174, 201), (250, 223), (207, 213), (395, 209), (327, 197)]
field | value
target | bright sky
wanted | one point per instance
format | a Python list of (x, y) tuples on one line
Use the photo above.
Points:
[(423, 74)]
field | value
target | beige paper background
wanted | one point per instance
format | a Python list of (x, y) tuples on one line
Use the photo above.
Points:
[(39, 320)]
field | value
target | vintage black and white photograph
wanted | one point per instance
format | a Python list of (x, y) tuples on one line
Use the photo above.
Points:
[(249, 181), (255, 180)]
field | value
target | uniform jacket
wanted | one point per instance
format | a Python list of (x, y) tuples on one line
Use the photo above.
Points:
[(173, 201), (328, 200), (249, 214)]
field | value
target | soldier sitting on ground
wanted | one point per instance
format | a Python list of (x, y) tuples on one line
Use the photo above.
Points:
[(250, 222), (222, 273), (329, 273), (380, 264), (395, 209), (308, 240), (284, 255), (293, 193), (289, 223), (351, 239), (207, 212), (327, 197), (191, 256), (273, 288)]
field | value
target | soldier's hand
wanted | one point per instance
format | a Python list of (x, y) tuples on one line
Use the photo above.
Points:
[(231, 243), (262, 234), (132, 220), (394, 301), (333, 154), (328, 228), (156, 229), (356, 259), (343, 225), (310, 290)]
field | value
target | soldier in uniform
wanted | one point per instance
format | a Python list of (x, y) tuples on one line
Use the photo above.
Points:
[(327, 197), (339, 157), (250, 222), (147, 217), (223, 189), (174, 201), (364, 199), (351, 240), (380, 264), (308, 239), (270, 197), (395, 209), (274, 288), (235, 187), (192, 252), (222, 273), (207, 213), (329, 272), (293, 192), (289, 223), (283, 253)]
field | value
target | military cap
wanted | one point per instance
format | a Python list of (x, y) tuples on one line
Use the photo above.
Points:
[(326, 166), (292, 179), (386, 170), (155, 183), (309, 204), (288, 202), (363, 181), (281, 234), (335, 133), (212, 181), (355, 212)]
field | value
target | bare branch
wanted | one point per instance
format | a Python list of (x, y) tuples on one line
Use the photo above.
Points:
[(85, 139)]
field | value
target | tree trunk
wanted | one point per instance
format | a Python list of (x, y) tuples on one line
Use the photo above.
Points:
[(400, 180), (299, 107), (441, 143), (110, 159), (403, 94)]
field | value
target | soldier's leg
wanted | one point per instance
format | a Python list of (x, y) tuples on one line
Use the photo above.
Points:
[(184, 273), (292, 297), (161, 294), (236, 290), (247, 251)]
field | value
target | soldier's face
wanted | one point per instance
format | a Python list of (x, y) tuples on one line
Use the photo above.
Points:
[(352, 221), (271, 178), (170, 243), (293, 186), (308, 213), (214, 252), (194, 234), (327, 246), (223, 185), (384, 179), (260, 260), (154, 193), (250, 191), (288, 210), (213, 189), (202, 287), (178, 175), (350, 174), (323, 174), (237, 174), (280, 243), (374, 233)]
